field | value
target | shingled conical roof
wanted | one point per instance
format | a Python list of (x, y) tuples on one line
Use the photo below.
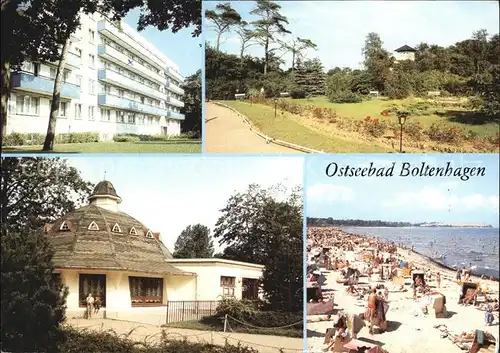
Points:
[(92, 237), (405, 48)]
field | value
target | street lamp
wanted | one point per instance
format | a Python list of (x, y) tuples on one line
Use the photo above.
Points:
[(402, 120), (275, 106)]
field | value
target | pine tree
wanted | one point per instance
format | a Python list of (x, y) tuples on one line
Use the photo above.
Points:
[(33, 298)]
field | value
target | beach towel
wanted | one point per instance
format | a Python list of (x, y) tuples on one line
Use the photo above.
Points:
[(320, 308)]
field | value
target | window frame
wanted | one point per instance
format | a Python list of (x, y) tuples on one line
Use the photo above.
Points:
[(141, 288)]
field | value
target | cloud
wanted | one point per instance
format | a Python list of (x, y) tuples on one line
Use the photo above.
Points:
[(436, 199), (328, 193)]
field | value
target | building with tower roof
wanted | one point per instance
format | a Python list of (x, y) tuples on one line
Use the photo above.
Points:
[(100, 250), (405, 53)]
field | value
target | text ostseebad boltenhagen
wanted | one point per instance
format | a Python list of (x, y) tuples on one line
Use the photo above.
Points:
[(406, 170)]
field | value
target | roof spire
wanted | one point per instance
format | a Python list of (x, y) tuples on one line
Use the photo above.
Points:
[(104, 175)]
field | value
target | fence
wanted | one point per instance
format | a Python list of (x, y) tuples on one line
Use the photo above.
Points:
[(183, 310)]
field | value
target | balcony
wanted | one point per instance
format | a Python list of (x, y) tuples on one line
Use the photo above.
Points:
[(119, 79), (178, 116), (73, 61), (109, 53), (127, 104), (175, 102), (126, 37), (174, 74), (43, 85), (171, 87)]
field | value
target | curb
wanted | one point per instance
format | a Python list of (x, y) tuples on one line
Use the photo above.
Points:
[(267, 138)]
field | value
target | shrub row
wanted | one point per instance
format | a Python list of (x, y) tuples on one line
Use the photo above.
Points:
[(31, 139), (109, 342), (412, 129), (130, 137)]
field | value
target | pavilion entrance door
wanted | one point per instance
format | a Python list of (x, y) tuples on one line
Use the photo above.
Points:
[(164, 130), (91, 283), (250, 289)]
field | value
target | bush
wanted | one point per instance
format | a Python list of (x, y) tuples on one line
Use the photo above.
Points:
[(445, 133), (298, 94), (248, 312), (77, 137), (374, 127), (125, 138), (31, 139), (345, 97), (110, 342)]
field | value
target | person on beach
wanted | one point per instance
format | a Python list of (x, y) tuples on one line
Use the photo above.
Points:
[(459, 275), (438, 280), (371, 311)]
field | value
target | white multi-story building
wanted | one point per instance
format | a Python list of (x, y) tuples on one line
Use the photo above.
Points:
[(114, 82)]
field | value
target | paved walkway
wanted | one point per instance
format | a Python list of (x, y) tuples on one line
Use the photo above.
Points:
[(226, 132), (152, 333)]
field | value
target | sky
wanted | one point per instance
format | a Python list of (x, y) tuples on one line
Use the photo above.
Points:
[(168, 194), (339, 28), (180, 47), (411, 199)]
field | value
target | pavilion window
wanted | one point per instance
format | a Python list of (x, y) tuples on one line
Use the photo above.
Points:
[(133, 231), (93, 226), (149, 234), (95, 284), (227, 285), (64, 227), (116, 228), (145, 291)]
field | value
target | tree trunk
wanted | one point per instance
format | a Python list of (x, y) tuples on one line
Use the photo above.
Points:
[(6, 87), (218, 41), (293, 60), (266, 55), (56, 98), (242, 51)]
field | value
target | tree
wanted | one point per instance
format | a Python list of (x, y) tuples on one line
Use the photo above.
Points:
[(33, 299), (245, 36), (270, 24), (33, 30), (223, 20), (264, 226), (377, 60), (35, 191), (192, 104), (163, 15), (297, 47), (194, 242)]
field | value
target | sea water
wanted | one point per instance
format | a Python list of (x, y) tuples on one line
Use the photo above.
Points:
[(459, 246)]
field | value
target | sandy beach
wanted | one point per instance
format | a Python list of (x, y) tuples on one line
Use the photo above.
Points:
[(408, 328)]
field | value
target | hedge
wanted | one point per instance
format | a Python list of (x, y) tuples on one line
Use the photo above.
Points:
[(31, 139)]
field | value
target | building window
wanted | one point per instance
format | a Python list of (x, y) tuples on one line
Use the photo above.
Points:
[(93, 226), (52, 73), (78, 111), (105, 115), (78, 52), (91, 61), (79, 81), (131, 118), (64, 227), (120, 93), (63, 107), (120, 117), (95, 284), (66, 76), (227, 285), (27, 105), (28, 66), (133, 231), (91, 36), (116, 228), (146, 291), (91, 113), (91, 86), (149, 234), (250, 289)]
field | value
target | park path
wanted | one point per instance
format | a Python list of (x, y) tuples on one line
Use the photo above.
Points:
[(226, 132), (261, 343)]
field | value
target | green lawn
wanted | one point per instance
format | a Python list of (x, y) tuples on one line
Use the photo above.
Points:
[(181, 146), (288, 127), (215, 326), (375, 106)]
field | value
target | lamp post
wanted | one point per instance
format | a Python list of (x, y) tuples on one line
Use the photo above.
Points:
[(275, 106), (402, 120)]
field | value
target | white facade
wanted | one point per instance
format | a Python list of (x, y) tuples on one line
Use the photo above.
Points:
[(211, 271), (114, 82), (404, 55)]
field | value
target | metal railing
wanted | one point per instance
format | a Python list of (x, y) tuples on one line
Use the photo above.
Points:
[(184, 310)]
